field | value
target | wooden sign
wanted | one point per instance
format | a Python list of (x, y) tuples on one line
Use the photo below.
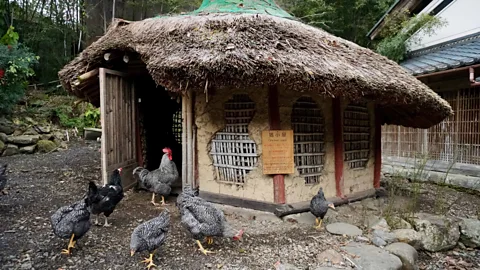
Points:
[(277, 152)]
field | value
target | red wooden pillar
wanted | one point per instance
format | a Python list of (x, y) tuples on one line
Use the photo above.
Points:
[(338, 144), (274, 123), (377, 170)]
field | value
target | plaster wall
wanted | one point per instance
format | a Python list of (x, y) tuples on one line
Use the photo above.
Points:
[(209, 119)]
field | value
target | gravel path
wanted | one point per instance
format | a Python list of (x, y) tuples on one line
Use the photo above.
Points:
[(39, 184)]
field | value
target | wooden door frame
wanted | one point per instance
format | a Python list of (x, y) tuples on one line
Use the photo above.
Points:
[(103, 111)]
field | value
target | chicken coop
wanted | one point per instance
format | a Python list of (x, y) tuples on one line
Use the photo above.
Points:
[(259, 109)]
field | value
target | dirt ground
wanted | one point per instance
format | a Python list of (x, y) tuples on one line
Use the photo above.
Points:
[(39, 184)]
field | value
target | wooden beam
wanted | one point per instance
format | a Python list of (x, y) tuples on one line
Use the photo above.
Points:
[(184, 141), (274, 122), (238, 202), (338, 144), (85, 77), (377, 170), (103, 119)]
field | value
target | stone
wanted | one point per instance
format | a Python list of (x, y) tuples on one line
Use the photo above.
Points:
[(372, 258), (362, 239), (46, 137), (303, 218), (409, 236), (2, 146), (59, 135), (439, 233), (407, 254), (10, 150), (370, 204), (6, 126), (371, 221), (381, 225), (379, 242), (3, 137), (24, 139), (341, 228), (44, 129), (470, 232), (330, 255), (326, 268), (30, 131), (399, 223), (386, 236), (45, 146), (30, 149)]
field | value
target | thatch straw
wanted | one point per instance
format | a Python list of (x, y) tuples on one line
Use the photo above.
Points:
[(242, 50)]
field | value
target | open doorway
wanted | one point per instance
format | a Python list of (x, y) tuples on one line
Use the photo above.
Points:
[(160, 124)]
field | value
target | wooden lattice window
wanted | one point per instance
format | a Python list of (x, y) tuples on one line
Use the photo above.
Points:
[(309, 143), (356, 136), (234, 153), (177, 126)]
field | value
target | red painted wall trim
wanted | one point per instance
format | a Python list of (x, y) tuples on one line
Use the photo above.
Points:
[(274, 123), (338, 144), (377, 171)]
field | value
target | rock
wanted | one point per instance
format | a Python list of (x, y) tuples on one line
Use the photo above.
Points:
[(45, 146), (379, 242), (17, 132), (303, 218), (28, 149), (326, 268), (407, 254), (46, 137), (386, 236), (6, 126), (409, 236), (10, 150), (340, 228), (287, 266), (43, 129), (30, 131), (24, 139), (399, 223), (438, 233), (330, 255), (371, 221), (3, 137), (381, 225), (470, 232), (362, 239), (370, 204), (2, 146), (59, 135), (373, 258)]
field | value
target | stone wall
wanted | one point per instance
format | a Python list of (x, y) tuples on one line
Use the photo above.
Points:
[(28, 139), (210, 120)]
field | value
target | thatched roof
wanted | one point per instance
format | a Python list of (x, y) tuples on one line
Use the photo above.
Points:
[(241, 50)]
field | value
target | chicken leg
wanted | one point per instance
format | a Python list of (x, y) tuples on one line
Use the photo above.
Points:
[(149, 261), (209, 240), (153, 199), (204, 251), (106, 224), (163, 201), (71, 244), (318, 223)]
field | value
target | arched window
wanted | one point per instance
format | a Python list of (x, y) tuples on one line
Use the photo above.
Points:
[(356, 136), (309, 140), (234, 153)]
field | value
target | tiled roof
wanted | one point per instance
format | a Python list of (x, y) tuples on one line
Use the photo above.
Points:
[(446, 56)]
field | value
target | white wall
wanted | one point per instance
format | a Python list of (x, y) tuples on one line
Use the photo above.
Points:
[(462, 16)]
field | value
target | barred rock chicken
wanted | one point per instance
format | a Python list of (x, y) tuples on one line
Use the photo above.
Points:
[(159, 181), (319, 207), (73, 221), (3, 177), (203, 219), (107, 197), (150, 235)]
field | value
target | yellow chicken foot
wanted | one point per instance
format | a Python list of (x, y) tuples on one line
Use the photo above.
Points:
[(209, 240), (163, 201), (71, 245), (204, 251), (149, 261), (319, 224), (153, 200)]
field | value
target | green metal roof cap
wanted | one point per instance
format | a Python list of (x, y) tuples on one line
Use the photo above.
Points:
[(242, 6)]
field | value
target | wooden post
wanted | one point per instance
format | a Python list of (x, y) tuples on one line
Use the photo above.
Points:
[(184, 141), (189, 180), (377, 170), (103, 119), (274, 123), (338, 144)]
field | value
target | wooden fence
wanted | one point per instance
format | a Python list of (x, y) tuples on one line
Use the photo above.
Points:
[(456, 139)]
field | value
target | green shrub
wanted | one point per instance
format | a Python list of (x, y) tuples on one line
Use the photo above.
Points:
[(16, 62)]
